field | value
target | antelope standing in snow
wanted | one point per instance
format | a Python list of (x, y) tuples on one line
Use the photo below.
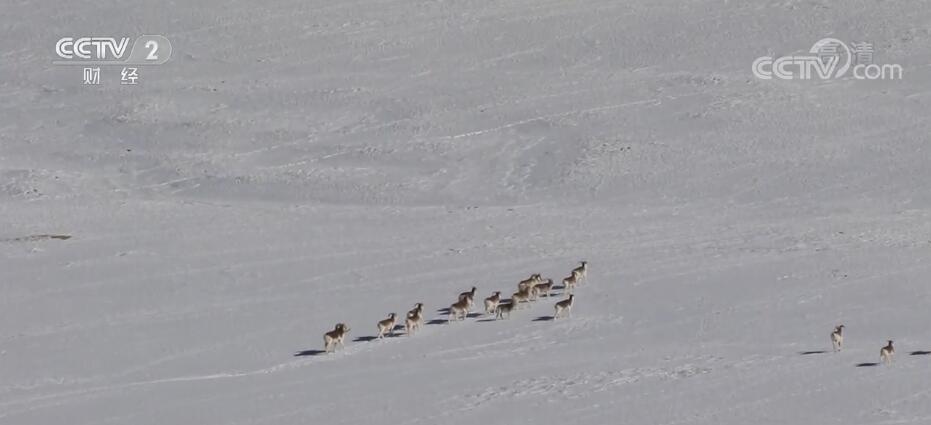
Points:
[(885, 355), (837, 338), (334, 338), (527, 284), (502, 309), (387, 326), (543, 288), (491, 303), (468, 294), (570, 282), (414, 320), (581, 271), (459, 310), (520, 297), (564, 307), (416, 311)]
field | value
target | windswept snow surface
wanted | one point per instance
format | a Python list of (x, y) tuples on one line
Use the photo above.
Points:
[(302, 163)]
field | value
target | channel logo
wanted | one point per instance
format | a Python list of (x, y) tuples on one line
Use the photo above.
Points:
[(146, 50)]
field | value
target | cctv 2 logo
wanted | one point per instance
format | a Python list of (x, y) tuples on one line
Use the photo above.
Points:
[(146, 50)]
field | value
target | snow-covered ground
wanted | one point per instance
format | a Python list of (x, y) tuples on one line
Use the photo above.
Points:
[(302, 163)]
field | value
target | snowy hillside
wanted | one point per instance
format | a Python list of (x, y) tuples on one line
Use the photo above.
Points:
[(172, 252)]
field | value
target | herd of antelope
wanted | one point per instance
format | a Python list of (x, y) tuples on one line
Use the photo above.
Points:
[(528, 290), (885, 354)]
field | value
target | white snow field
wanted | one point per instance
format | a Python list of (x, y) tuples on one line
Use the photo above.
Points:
[(302, 163)]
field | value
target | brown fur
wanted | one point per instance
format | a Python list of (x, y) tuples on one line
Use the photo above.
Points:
[(334, 338), (387, 326), (564, 307)]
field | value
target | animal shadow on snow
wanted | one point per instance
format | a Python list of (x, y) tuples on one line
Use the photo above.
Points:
[(870, 364), (307, 353), (443, 321), (371, 338), (920, 353), (544, 318), (808, 353)]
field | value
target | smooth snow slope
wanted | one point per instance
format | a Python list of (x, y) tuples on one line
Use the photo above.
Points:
[(300, 163)]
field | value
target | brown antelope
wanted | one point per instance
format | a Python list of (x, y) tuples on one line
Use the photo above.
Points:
[(459, 310), (414, 320), (543, 288), (527, 284), (503, 309), (837, 338), (520, 297), (334, 338), (885, 355), (416, 311), (564, 307), (581, 271), (468, 294), (387, 326), (491, 303), (570, 282)]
